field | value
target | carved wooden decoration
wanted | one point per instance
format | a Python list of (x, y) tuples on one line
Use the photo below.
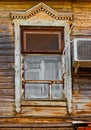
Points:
[(42, 15), (41, 8)]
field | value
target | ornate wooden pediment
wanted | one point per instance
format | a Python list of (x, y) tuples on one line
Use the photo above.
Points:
[(43, 10)]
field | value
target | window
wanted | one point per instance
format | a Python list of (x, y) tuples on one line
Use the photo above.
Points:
[(27, 20), (41, 50)]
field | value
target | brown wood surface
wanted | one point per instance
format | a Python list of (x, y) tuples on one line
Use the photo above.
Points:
[(81, 100), (32, 122), (38, 128)]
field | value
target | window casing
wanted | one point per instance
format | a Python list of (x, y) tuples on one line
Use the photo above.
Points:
[(30, 19)]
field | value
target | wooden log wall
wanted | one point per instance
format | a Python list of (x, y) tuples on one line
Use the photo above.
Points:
[(81, 27), (82, 80), (36, 129)]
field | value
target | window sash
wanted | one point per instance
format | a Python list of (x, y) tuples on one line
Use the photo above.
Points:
[(43, 91), (42, 81), (52, 44)]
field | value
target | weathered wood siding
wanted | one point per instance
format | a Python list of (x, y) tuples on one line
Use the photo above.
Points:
[(82, 93), (37, 128), (82, 80), (81, 100)]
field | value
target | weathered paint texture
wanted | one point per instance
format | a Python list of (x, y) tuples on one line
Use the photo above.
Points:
[(55, 115)]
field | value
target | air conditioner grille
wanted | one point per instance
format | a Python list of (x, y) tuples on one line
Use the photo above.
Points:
[(83, 50)]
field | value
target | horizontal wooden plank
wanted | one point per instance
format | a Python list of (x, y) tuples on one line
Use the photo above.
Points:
[(6, 92), (83, 4), (82, 86), (82, 106), (38, 126), (36, 122), (6, 59), (81, 99), (7, 108), (7, 111), (8, 33), (6, 46), (86, 23), (10, 2), (82, 79), (82, 74), (5, 25), (26, 5), (82, 15), (4, 14), (67, 4), (86, 93), (8, 104), (54, 128), (6, 85), (81, 112), (81, 31), (59, 127), (7, 52), (6, 39), (44, 103), (7, 99), (43, 111), (8, 79), (7, 73), (26, 120), (77, 10), (6, 66)]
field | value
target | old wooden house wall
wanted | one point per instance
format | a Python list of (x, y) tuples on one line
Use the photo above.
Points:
[(81, 27), (82, 80)]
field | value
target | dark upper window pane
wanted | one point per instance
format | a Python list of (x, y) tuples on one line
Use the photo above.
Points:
[(42, 40)]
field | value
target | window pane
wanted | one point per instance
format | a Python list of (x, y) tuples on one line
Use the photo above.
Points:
[(56, 91), (33, 91), (41, 42), (32, 70), (51, 70), (43, 91), (42, 39), (42, 67)]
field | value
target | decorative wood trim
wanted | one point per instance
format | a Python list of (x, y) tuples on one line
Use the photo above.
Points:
[(67, 64), (41, 7), (60, 20), (17, 67)]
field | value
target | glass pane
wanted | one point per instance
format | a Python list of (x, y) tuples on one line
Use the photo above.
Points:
[(33, 91), (32, 70), (51, 70), (42, 68), (57, 91), (41, 41)]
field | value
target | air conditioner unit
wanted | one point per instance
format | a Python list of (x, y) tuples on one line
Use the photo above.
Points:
[(81, 53)]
